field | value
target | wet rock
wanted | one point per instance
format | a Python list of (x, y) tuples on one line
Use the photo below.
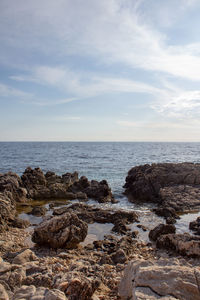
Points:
[(166, 212), (174, 186), (92, 214), (195, 226), (99, 191), (183, 244), (59, 232), (134, 234), (142, 227), (24, 257), (120, 227), (38, 211), (160, 279), (161, 229)]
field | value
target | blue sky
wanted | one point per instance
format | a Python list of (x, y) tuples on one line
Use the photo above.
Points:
[(109, 70)]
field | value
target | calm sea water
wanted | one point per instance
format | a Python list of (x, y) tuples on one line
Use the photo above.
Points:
[(97, 160)]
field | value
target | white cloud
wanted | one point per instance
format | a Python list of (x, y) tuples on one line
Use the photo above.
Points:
[(10, 92)]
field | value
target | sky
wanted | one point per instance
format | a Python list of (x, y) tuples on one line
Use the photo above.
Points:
[(99, 70)]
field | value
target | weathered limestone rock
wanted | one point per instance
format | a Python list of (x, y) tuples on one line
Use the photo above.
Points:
[(64, 231), (174, 186), (24, 257), (76, 286), (163, 279), (11, 182), (40, 293), (7, 210), (161, 229), (3, 293), (184, 244)]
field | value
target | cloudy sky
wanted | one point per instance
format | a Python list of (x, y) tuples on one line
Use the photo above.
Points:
[(100, 70)]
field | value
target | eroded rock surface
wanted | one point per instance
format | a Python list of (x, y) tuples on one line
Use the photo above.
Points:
[(175, 186), (163, 279), (65, 231), (184, 244)]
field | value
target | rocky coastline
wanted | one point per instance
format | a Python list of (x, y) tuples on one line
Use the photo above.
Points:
[(50, 260)]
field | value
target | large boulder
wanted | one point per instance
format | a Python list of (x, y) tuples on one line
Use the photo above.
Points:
[(171, 185), (65, 231), (184, 244), (163, 279)]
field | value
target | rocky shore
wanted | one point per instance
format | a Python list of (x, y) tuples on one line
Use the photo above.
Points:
[(50, 260)]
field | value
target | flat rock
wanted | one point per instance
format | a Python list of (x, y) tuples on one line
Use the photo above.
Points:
[(163, 279)]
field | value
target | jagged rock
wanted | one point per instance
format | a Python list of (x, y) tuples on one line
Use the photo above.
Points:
[(161, 229), (163, 279), (184, 244), (20, 223), (92, 214), (76, 286), (26, 256), (99, 191), (174, 186), (40, 293), (195, 226), (38, 211), (119, 257), (166, 212), (3, 293), (7, 210), (59, 232), (12, 274), (11, 182)]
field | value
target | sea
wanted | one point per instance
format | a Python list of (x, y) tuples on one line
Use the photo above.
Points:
[(100, 160)]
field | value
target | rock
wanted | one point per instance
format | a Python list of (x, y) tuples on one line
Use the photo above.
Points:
[(163, 279), (166, 212), (38, 211), (55, 295), (3, 293), (20, 223), (92, 214), (195, 226), (120, 227), (184, 244), (11, 182), (161, 229), (119, 257), (142, 227), (99, 191), (7, 210), (64, 231), (76, 286), (40, 293), (173, 186), (24, 257)]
